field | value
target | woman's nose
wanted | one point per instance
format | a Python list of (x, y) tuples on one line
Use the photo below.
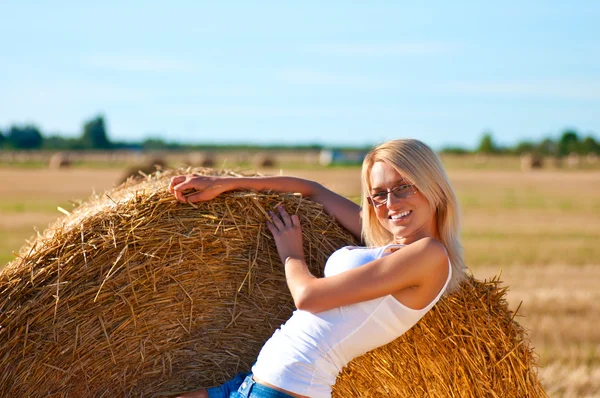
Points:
[(391, 200)]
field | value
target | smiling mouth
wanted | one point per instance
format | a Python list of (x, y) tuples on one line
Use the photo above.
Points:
[(401, 216)]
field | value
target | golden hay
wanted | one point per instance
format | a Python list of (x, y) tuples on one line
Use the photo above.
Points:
[(134, 294)]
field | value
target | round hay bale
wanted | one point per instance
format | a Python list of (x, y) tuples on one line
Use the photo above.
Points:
[(136, 295), (530, 161), (201, 159), (264, 160), (573, 160), (143, 171), (468, 345), (59, 160)]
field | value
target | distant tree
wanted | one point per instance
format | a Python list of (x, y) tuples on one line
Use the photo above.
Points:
[(524, 147), (2, 139), (568, 142), (94, 134), (25, 137), (590, 145), (57, 142), (547, 147), (156, 144), (454, 150), (487, 145)]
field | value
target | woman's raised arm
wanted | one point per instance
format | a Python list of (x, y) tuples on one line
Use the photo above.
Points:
[(193, 188)]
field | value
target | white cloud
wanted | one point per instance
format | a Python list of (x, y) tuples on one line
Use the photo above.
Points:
[(133, 63)]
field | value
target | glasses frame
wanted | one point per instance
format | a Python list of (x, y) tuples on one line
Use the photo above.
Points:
[(392, 191)]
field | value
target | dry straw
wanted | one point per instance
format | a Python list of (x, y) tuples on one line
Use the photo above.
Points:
[(134, 294)]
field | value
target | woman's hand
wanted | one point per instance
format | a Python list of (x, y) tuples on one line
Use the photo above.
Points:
[(196, 188), (287, 233)]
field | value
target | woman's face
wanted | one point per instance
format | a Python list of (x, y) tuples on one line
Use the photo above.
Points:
[(408, 219)]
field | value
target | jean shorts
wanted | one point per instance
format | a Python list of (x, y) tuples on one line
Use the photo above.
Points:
[(243, 386)]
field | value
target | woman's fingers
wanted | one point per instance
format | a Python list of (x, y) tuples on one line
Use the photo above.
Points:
[(193, 188), (276, 221), (283, 220), (285, 217), (175, 181), (295, 220)]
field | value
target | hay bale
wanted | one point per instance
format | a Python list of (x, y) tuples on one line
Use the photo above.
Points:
[(143, 171), (135, 294), (263, 159), (573, 160), (59, 160), (468, 345), (530, 161), (201, 159)]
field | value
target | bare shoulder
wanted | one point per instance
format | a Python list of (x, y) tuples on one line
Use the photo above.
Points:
[(430, 249), (428, 257)]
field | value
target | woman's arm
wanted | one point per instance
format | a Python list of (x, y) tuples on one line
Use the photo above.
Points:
[(202, 188), (421, 266)]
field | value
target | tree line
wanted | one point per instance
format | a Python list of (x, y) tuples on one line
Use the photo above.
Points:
[(570, 141), (94, 137)]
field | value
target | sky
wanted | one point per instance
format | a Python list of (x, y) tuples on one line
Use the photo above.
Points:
[(311, 72)]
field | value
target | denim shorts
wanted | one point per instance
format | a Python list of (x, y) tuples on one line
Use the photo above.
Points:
[(243, 386)]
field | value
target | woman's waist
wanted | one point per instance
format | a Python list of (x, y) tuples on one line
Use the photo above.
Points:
[(274, 387)]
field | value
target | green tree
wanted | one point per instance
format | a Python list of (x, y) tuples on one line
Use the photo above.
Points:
[(524, 147), (2, 139), (487, 145), (454, 150), (57, 142), (590, 145), (94, 134), (26, 137), (568, 142), (548, 147)]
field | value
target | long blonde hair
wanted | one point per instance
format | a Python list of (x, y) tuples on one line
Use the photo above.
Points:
[(421, 166)]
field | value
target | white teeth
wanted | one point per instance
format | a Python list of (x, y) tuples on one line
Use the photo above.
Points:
[(403, 214)]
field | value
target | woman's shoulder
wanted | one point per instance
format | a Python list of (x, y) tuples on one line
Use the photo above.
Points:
[(428, 254)]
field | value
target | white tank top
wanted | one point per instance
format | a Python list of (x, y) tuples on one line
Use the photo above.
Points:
[(307, 353)]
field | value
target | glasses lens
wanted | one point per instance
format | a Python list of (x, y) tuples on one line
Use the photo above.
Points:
[(379, 199), (403, 191)]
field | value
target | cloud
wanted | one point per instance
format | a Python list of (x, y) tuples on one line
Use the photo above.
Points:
[(551, 89), (133, 63), (388, 49)]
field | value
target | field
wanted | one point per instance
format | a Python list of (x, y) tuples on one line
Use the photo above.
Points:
[(540, 229)]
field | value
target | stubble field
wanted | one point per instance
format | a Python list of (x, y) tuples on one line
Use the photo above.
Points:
[(540, 229)]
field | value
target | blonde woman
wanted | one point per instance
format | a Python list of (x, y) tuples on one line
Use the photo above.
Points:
[(370, 295)]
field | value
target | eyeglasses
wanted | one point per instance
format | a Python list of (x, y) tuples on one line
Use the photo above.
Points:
[(400, 192)]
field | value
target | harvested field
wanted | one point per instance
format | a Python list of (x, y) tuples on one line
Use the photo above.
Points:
[(541, 228)]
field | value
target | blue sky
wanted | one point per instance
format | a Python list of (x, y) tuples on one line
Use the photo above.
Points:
[(334, 73)]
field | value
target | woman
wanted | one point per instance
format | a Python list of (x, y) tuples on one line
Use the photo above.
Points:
[(369, 295)]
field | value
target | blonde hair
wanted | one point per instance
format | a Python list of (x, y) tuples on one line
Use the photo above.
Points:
[(421, 166)]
